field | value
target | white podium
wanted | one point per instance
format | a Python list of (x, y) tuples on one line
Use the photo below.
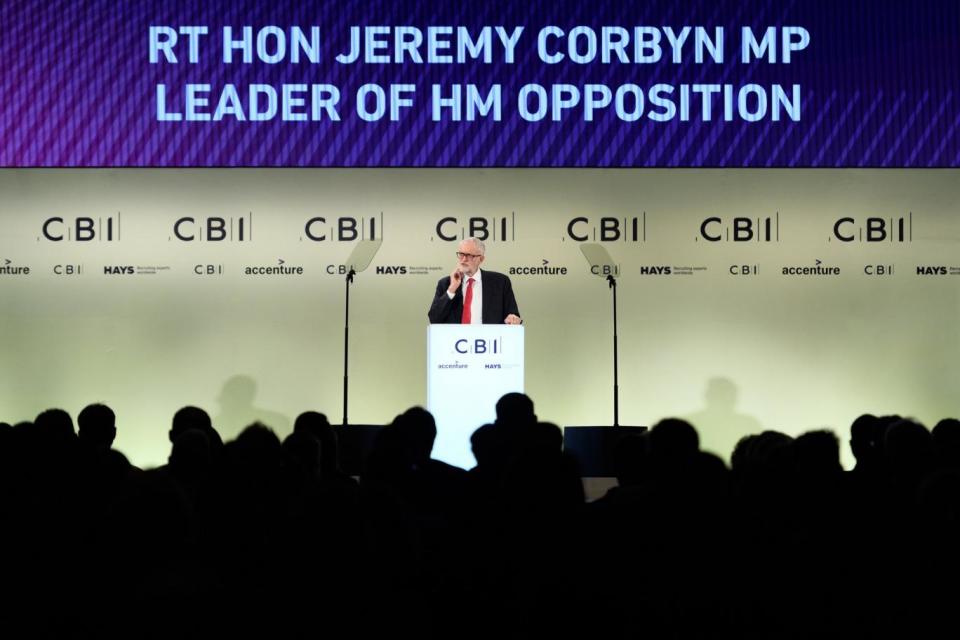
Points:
[(469, 367)]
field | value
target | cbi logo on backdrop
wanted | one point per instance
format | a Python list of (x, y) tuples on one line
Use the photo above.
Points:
[(208, 269), (486, 229), (213, 229), (873, 229), (607, 229), (605, 269), (342, 229), (744, 270), (881, 270), (740, 229), (81, 229), (68, 269), (7, 268)]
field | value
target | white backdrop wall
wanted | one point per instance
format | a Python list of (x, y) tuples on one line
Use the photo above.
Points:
[(735, 353)]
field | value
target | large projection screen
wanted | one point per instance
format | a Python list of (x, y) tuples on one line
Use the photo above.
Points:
[(749, 299)]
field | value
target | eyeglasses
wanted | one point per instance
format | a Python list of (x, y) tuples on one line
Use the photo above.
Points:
[(461, 255)]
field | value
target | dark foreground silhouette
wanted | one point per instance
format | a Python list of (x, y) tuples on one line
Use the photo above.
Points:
[(267, 538)]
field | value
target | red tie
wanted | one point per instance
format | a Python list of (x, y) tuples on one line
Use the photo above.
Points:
[(467, 301)]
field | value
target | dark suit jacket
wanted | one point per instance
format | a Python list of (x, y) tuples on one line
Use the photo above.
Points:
[(498, 300)]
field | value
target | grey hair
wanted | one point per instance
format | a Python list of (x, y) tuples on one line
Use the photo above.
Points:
[(477, 241)]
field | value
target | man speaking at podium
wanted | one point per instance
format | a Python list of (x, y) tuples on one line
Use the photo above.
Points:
[(471, 296)]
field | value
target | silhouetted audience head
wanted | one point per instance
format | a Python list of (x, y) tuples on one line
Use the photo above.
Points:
[(303, 451), (515, 408), (908, 449), (762, 452), (55, 428), (673, 441), (418, 431), (96, 427), (946, 441), (546, 434), (486, 444), (317, 425), (195, 418), (866, 440), (817, 453), (191, 452), (257, 448)]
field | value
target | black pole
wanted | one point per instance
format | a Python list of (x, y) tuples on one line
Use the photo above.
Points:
[(616, 380), (346, 344)]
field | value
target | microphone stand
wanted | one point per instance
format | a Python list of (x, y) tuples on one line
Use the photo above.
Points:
[(346, 343), (616, 386)]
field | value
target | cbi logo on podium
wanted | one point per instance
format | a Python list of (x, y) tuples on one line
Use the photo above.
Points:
[(81, 229), (478, 346)]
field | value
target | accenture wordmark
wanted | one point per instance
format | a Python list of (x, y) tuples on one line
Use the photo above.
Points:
[(817, 270), (280, 269), (7, 269), (543, 270)]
